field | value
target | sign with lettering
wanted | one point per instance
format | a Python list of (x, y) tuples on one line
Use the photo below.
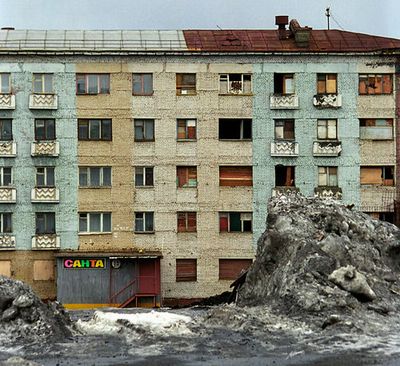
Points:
[(85, 263)]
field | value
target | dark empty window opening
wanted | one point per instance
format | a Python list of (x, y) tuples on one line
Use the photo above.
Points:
[(283, 84), (284, 176), (234, 129)]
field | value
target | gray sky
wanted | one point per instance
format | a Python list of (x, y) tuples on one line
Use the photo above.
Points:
[(364, 16)]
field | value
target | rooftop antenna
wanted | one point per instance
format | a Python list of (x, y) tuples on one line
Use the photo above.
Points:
[(328, 14)]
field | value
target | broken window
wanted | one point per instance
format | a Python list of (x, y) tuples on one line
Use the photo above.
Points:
[(377, 175), (144, 176), (186, 129), (283, 84), (144, 222), (94, 129), (187, 222), (144, 129), (327, 176), (92, 84), (235, 84), (94, 176), (234, 129), (231, 269), (235, 222), (284, 176), (45, 223), (142, 84), (5, 83), (95, 222), (372, 84), (186, 270), (326, 83), (43, 83), (186, 176), (185, 84), (5, 222), (327, 129), (284, 129), (235, 176), (5, 129)]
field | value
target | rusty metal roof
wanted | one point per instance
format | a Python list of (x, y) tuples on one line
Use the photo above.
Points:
[(269, 41)]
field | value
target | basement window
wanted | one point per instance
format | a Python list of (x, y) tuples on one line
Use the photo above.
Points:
[(284, 129), (185, 84), (187, 222), (186, 270), (326, 83), (283, 84), (234, 129), (375, 84), (377, 175), (327, 176), (186, 129), (231, 269), (235, 176), (186, 176), (284, 176), (235, 84), (235, 222), (327, 129)]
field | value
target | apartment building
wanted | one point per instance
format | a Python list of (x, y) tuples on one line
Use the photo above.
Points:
[(136, 166)]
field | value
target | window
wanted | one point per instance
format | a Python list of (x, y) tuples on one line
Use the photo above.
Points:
[(326, 83), (284, 129), (235, 84), (186, 129), (45, 176), (5, 176), (234, 129), (231, 269), (327, 129), (94, 129), (142, 84), (185, 84), (373, 84), (235, 222), (186, 270), (95, 176), (5, 130), (45, 223), (5, 222), (284, 176), (327, 176), (5, 83), (144, 222), (235, 176), (95, 222), (45, 129), (376, 129), (144, 176), (377, 175), (186, 176), (283, 84), (187, 222), (144, 129), (92, 84), (43, 83)]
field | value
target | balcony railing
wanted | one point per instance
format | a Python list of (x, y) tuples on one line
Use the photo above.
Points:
[(45, 148), (43, 101), (8, 149), (327, 100), (284, 101), (7, 101), (328, 192), (7, 242), (46, 242), (327, 148), (8, 195), (45, 195), (284, 190), (284, 148)]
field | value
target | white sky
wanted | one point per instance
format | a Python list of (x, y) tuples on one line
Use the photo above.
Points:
[(364, 16)]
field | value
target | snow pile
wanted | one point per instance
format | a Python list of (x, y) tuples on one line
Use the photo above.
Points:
[(25, 318)]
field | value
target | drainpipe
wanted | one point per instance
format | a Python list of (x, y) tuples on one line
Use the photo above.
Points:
[(397, 130)]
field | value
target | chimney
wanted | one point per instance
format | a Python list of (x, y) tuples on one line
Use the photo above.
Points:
[(282, 21), (301, 34)]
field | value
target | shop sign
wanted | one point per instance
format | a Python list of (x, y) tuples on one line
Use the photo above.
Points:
[(86, 263)]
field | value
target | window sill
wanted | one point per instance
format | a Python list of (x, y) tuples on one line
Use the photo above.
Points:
[(186, 140), (94, 187), (144, 232), (184, 280), (236, 140), (144, 187), (237, 95), (186, 187), (93, 140), (92, 94), (96, 233), (142, 95), (186, 95), (235, 232), (144, 140), (186, 232)]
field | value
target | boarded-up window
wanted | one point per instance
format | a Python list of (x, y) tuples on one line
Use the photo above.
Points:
[(284, 129), (230, 269), (235, 222), (235, 176), (186, 176), (326, 84), (377, 175), (5, 268), (43, 270), (372, 84), (327, 129), (187, 222), (185, 84), (284, 176), (186, 129), (186, 270)]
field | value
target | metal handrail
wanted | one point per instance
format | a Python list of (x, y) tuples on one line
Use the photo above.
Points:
[(122, 290)]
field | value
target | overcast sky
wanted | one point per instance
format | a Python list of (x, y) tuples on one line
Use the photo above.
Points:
[(364, 16)]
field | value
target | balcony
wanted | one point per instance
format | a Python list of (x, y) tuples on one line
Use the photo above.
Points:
[(284, 190), (46, 242), (45, 195), (7, 101), (43, 101), (284, 148), (8, 149), (327, 101), (376, 133), (45, 148), (328, 192), (327, 148), (284, 101), (7, 242), (8, 195)]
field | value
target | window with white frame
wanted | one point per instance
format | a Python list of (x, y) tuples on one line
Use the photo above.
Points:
[(144, 176), (235, 222), (94, 176), (45, 223), (186, 129), (327, 129), (327, 176), (95, 222), (235, 84), (6, 222), (6, 129), (43, 83), (5, 83), (92, 84), (144, 222), (5, 176), (45, 176)]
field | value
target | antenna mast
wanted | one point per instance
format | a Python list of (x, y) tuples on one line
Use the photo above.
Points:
[(328, 14)]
